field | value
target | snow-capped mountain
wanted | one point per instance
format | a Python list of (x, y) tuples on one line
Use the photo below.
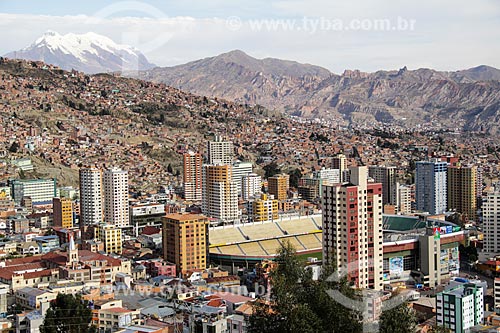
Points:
[(89, 53)]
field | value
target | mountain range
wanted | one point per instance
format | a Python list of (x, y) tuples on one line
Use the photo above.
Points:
[(467, 99), (89, 53)]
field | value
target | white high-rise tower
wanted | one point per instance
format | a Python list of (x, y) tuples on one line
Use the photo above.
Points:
[(91, 200), (116, 207), (220, 152)]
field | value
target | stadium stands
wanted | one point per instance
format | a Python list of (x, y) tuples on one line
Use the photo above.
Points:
[(230, 249), (261, 231), (226, 235), (263, 239), (252, 249), (309, 241), (298, 226), (270, 245), (295, 243)]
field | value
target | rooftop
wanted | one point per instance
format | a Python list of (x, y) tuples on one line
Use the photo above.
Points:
[(186, 217), (407, 223)]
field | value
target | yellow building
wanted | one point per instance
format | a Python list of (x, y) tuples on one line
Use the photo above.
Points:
[(462, 191), (63, 212), (278, 186), (185, 241), (111, 236), (265, 209)]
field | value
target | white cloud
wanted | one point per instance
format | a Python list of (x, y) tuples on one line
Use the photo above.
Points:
[(447, 35)]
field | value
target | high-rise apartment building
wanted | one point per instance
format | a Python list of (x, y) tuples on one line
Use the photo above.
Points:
[(63, 212), (110, 236), (462, 191), (220, 193), (220, 152), (251, 186), (116, 206), (460, 308), (352, 229), (404, 199), (192, 181), (91, 198), (41, 191), (329, 176), (185, 241), (491, 222), (431, 189), (496, 293), (387, 176), (479, 183), (339, 162), (239, 170), (278, 186)]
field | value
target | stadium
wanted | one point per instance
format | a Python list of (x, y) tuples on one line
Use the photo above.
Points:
[(247, 244), (408, 242)]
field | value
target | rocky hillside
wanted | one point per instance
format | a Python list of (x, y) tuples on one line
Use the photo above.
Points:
[(239, 77), (64, 120), (468, 99)]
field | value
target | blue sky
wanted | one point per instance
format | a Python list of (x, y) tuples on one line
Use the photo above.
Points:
[(445, 34)]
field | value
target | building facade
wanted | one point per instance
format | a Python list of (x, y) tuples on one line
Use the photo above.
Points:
[(185, 241), (91, 199), (387, 176), (63, 212), (460, 308), (116, 206), (462, 191), (278, 186), (220, 193), (239, 170), (329, 176), (264, 209), (352, 229), (192, 180), (491, 222), (339, 162), (404, 199), (220, 151), (496, 293), (146, 214), (110, 236), (41, 191), (251, 186), (431, 187)]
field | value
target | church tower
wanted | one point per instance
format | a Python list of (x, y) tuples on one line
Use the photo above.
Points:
[(72, 252)]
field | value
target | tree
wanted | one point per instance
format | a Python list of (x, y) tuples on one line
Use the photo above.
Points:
[(295, 176), (285, 312), (68, 314), (169, 169), (297, 303), (468, 252), (439, 329), (271, 169), (400, 319), (14, 147)]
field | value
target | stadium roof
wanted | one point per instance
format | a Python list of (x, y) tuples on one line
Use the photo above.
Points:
[(408, 223)]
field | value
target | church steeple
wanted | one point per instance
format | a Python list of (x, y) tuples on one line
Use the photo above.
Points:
[(72, 251)]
